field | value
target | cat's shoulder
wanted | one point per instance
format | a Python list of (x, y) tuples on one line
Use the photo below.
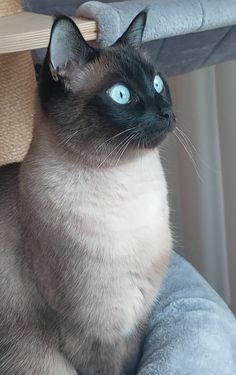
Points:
[(9, 175), (9, 184)]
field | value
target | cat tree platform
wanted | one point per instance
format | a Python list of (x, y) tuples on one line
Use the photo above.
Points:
[(27, 31)]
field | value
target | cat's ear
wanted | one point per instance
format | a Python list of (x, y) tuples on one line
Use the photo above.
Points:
[(133, 35), (67, 48)]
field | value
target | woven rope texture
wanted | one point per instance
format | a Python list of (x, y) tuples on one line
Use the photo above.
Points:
[(17, 86), (9, 7)]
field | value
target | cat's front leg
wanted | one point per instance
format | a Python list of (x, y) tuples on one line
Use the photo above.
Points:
[(118, 359), (103, 359), (101, 369), (26, 351)]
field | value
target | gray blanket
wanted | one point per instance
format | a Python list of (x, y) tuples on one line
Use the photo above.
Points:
[(192, 331)]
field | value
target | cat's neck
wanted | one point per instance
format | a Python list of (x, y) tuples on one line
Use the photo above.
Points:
[(48, 156), (49, 171), (61, 196)]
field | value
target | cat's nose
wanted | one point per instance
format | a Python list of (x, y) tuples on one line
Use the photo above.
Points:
[(166, 114)]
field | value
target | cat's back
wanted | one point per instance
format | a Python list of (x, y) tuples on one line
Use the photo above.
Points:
[(9, 179), (8, 197), (9, 212), (10, 232), (15, 288)]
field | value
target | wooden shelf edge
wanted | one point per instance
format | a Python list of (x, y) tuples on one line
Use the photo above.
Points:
[(27, 31)]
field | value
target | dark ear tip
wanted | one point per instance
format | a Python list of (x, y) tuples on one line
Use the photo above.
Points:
[(144, 12), (143, 15), (134, 33), (59, 18)]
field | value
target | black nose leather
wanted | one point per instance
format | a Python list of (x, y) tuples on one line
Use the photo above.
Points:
[(166, 114)]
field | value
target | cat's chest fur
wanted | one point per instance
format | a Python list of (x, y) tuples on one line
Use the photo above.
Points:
[(108, 233)]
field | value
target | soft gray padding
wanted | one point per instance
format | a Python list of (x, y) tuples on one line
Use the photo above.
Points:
[(166, 18), (179, 47), (192, 331)]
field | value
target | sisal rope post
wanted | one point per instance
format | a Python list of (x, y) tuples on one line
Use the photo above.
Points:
[(9, 7), (17, 87)]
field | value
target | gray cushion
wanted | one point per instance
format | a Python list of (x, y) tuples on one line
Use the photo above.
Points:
[(192, 331)]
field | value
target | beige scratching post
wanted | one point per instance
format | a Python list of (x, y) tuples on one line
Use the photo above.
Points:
[(21, 32), (17, 86)]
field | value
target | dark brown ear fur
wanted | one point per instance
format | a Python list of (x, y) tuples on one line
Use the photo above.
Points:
[(67, 48), (67, 53), (133, 35)]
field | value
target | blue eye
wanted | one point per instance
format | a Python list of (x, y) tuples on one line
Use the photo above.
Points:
[(158, 84), (119, 93)]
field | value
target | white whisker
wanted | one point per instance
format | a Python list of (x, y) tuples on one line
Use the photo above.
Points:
[(187, 139), (68, 139), (114, 136), (112, 151), (125, 147), (181, 140), (190, 143)]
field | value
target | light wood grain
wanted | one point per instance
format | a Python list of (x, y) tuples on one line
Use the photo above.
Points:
[(27, 31)]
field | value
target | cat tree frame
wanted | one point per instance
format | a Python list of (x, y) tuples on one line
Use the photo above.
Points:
[(21, 32)]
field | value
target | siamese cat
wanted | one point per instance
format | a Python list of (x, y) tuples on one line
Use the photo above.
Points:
[(84, 220)]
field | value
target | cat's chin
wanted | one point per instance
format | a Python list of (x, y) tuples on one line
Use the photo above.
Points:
[(152, 137), (152, 143)]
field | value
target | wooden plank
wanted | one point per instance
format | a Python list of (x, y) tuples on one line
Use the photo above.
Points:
[(27, 31)]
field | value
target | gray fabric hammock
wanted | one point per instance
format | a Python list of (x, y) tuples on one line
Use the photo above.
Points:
[(185, 34), (189, 34), (166, 18)]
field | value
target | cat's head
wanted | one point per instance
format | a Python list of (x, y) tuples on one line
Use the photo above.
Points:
[(104, 101)]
